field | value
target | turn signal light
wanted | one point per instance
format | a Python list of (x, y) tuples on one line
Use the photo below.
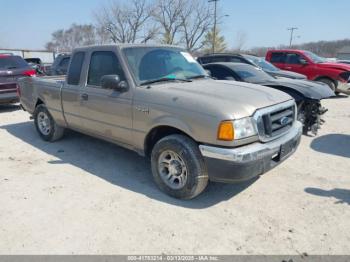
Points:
[(226, 131)]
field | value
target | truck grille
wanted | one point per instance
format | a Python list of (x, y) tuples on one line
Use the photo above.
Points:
[(275, 121)]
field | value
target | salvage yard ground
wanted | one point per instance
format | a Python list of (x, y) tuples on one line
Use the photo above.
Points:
[(81, 195)]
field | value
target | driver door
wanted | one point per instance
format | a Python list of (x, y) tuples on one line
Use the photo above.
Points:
[(106, 112), (293, 63)]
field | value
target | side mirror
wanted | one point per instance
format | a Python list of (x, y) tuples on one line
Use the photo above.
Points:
[(113, 82), (303, 61), (208, 72)]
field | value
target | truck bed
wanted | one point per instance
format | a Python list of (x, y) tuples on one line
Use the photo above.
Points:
[(46, 89)]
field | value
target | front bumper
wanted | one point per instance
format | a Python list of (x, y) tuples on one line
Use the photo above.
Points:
[(246, 162)]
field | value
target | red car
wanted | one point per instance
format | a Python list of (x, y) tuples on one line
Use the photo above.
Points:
[(11, 68), (335, 75)]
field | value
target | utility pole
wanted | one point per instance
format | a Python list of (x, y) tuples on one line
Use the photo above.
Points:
[(291, 29), (214, 29)]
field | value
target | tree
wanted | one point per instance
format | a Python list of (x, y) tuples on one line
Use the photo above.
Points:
[(195, 20), (75, 36), (219, 42), (127, 23), (167, 14)]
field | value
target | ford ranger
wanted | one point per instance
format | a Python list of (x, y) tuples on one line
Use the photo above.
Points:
[(159, 102)]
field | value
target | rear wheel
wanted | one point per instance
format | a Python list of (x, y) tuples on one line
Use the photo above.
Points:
[(46, 125), (178, 167)]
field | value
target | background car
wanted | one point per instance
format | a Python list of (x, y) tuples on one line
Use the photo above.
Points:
[(60, 65), (273, 70), (224, 57), (250, 60), (307, 94), (11, 68), (37, 65), (316, 68)]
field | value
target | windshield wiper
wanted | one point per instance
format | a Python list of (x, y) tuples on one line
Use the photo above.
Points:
[(198, 77), (164, 79)]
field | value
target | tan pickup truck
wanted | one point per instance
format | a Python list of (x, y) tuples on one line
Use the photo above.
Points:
[(158, 101)]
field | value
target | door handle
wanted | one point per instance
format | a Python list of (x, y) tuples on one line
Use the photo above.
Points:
[(85, 97), (288, 68)]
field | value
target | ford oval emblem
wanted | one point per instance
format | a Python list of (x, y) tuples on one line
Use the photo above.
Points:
[(284, 120)]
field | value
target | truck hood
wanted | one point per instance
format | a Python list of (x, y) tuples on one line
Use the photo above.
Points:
[(235, 99), (334, 66)]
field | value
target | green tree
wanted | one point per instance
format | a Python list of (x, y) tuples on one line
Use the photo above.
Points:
[(219, 42)]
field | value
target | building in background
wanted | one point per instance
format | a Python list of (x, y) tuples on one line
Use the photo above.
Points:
[(46, 57)]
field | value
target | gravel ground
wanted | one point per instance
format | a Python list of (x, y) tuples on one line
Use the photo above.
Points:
[(85, 196)]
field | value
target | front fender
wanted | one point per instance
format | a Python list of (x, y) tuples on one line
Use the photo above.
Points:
[(174, 122)]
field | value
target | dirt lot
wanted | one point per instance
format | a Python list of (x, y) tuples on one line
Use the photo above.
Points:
[(85, 196)]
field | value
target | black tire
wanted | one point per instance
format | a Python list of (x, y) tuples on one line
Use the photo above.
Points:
[(196, 178), (54, 132), (328, 82)]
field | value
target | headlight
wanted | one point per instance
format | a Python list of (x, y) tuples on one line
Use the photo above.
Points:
[(244, 128), (237, 129)]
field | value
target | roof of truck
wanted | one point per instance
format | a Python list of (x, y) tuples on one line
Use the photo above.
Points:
[(125, 46)]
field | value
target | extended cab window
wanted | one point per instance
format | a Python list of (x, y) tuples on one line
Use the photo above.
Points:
[(75, 68), (103, 63), (293, 59), (278, 58)]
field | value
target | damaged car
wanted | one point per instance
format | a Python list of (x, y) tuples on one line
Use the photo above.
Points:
[(307, 94)]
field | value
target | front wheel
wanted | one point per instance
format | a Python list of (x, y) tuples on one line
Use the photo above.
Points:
[(178, 167), (46, 125)]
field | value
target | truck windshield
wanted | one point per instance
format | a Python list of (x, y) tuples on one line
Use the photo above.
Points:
[(315, 58), (153, 63)]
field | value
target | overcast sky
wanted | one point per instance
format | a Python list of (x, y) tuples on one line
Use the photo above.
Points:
[(29, 24)]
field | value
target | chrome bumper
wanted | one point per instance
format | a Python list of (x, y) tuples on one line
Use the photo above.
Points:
[(252, 152)]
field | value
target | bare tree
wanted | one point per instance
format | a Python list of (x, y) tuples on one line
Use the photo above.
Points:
[(196, 20), (167, 14), (127, 23), (75, 36)]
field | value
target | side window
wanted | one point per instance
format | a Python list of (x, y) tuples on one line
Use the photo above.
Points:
[(75, 68), (103, 63), (293, 59), (218, 59), (205, 60), (278, 58), (220, 73)]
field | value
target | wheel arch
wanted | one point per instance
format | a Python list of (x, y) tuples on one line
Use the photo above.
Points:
[(159, 132)]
